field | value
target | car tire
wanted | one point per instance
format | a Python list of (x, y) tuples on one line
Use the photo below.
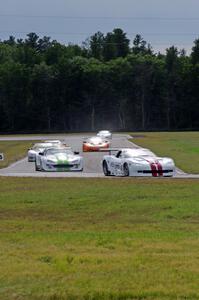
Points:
[(36, 167), (105, 168), (126, 170)]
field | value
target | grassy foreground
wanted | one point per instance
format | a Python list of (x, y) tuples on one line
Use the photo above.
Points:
[(183, 147), (13, 151), (99, 239)]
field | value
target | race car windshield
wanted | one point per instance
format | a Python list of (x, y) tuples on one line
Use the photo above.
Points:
[(41, 146), (53, 142), (58, 151), (137, 153), (96, 140)]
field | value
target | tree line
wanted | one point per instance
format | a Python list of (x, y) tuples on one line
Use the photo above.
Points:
[(108, 82)]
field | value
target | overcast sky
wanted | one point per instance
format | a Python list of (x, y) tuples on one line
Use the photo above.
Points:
[(161, 22)]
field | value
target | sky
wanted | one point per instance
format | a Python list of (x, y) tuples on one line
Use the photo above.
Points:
[(162, 23)]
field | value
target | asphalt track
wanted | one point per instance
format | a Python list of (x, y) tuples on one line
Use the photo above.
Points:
[(92, 160)]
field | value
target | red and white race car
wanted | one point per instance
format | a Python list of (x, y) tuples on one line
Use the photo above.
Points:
[(137, 162), (95, 143)]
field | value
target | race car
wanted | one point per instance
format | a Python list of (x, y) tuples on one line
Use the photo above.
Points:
[(54, 142), (105, 134), (38, 147), (58, 160), (95, 143), (136, 162)]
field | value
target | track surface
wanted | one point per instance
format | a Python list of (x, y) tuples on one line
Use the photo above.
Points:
[(92, 160)]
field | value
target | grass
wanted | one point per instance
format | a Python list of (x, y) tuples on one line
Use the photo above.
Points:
[(183, 147), (99, 239), (13, 151)]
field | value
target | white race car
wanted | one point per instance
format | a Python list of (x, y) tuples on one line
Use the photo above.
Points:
[(137, 162), (105, 134), (58, 159), (38, 147), (54, 142)]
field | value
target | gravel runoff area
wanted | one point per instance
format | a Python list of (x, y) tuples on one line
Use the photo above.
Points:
[(92, 160)]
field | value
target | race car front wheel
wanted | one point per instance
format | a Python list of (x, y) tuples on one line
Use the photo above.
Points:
[(36, 167), (126, 170), (105, 168)]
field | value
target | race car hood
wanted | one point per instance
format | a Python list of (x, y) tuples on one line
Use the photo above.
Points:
[(150, 159), (96, 142), (63, 158)]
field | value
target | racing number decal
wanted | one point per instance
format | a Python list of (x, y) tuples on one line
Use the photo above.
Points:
[(1, 156)]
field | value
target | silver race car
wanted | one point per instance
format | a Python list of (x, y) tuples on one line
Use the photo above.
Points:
[(38, 147), (54, 142), (58, 159), (136, 162), (105, 134)]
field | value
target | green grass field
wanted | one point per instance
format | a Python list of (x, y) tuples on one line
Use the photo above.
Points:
[(99, 239), (183, 147), (13, 151)]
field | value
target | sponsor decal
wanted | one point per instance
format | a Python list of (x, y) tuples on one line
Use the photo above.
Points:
[(1, 156)]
